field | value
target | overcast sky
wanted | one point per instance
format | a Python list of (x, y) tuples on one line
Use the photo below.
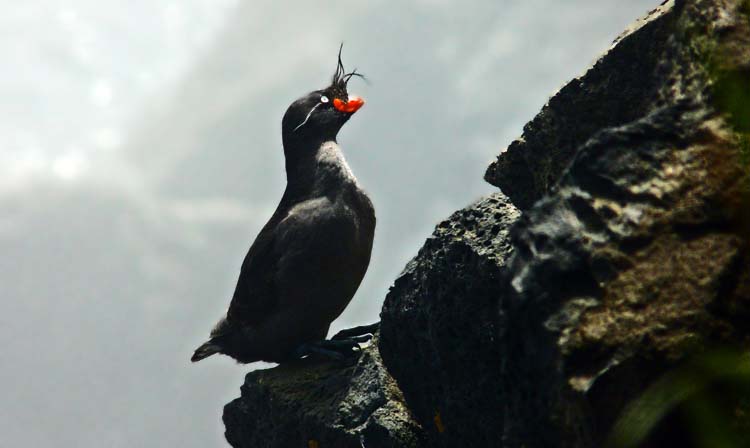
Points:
[(140, 152)]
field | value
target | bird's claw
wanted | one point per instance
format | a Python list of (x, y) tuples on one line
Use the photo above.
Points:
[(363, 333), (343, 345)]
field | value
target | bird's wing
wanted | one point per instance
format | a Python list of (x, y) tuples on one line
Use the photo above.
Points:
[(254, 297), (256, 294)]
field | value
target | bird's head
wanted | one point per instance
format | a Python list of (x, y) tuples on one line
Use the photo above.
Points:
[(318, 116)]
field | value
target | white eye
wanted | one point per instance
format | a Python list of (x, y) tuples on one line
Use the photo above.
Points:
[(323, 99)]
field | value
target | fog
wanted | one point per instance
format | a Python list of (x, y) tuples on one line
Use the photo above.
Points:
[(140, 153)]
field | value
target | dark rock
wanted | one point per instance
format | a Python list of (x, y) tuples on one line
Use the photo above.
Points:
[(638, 258), (621, 87), (439, 326), (320, 403)]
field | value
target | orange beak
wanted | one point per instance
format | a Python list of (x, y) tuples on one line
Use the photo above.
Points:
[(350, 106)]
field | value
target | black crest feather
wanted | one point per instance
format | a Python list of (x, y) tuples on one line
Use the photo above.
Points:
[(341, 78)]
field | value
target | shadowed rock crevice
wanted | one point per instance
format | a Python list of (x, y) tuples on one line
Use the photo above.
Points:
[(440, 325)]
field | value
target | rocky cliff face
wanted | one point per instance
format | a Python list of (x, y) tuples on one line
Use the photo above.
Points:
[(536, 328), (322, 404)]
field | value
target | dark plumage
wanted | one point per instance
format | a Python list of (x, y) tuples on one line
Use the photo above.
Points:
[(309, 259)]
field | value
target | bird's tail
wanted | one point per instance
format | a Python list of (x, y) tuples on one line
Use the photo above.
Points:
[(205, 350)]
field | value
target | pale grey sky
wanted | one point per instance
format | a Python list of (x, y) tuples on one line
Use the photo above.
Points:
[(141, 152)]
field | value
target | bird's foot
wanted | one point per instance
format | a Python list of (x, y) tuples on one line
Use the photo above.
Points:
[(316, 348), (363, 331), (345, 344)]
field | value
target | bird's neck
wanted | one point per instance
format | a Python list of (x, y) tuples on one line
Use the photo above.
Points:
[(318, 171)]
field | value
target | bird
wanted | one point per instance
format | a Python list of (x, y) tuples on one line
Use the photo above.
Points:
[(309, 259)]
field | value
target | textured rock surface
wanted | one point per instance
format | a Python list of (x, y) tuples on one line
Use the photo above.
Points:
[(639, 256), (620, 88), (439, 325), (616, 281), (321, 404)]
